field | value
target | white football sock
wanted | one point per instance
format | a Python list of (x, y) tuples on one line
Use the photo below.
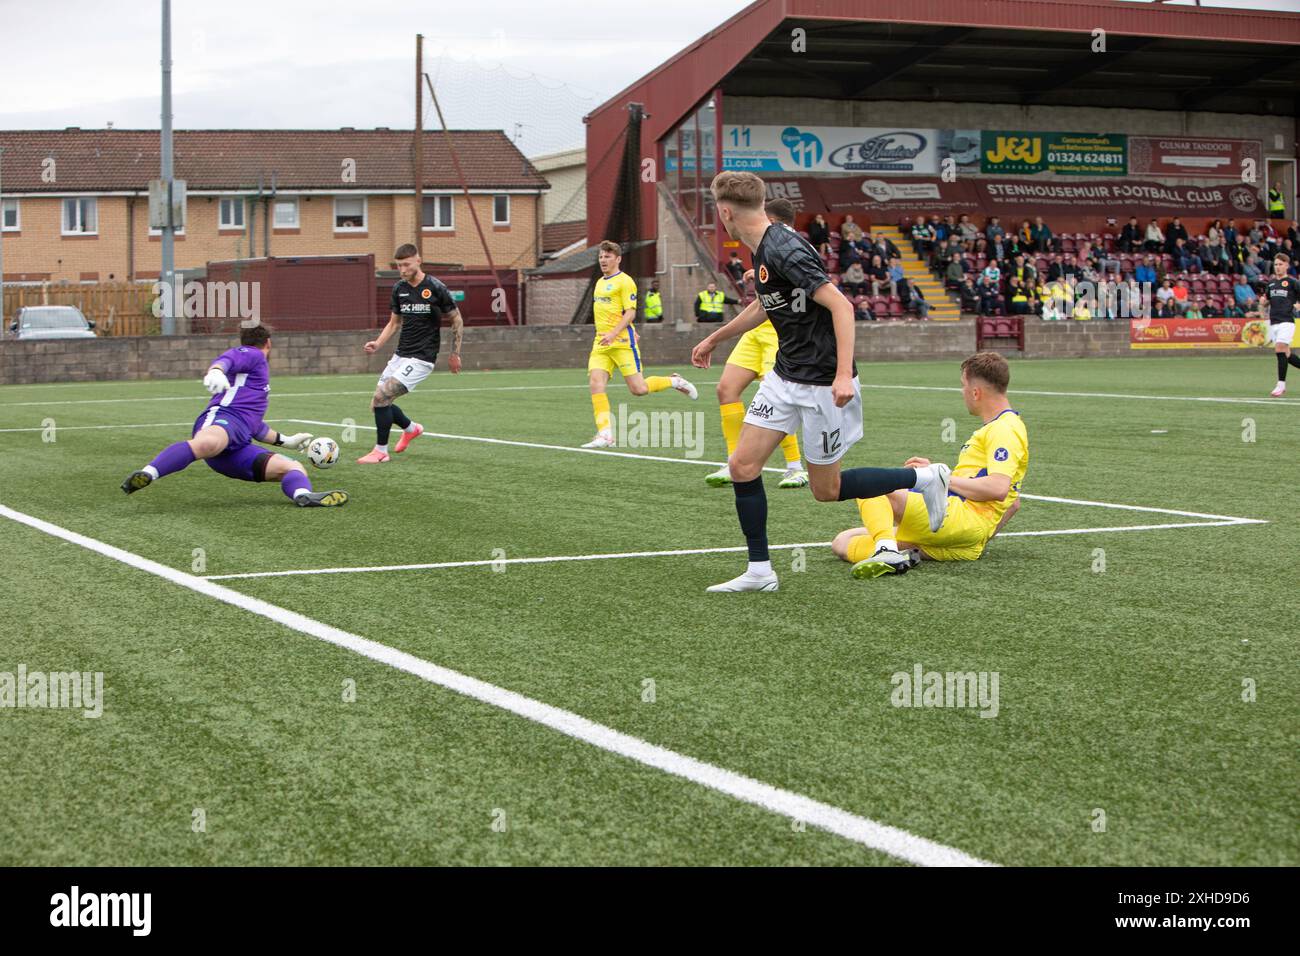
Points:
[(796, 465), (151, 471), (411, 428), (760, 569), (887, 543), (383, 448), (298, 493)]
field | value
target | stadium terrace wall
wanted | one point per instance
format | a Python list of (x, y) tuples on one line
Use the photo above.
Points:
[(560, 346)]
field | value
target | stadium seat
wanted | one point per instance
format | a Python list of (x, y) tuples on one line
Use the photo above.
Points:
[(1067, 245), (895, 308)]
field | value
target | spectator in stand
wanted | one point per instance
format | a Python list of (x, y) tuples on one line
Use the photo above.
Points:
[(1168, 309), (993, 230), (950, 228), (1018, 301), (877, 274), (848, 254), (1063, 268), (1181, 296), (1230, 241), (969, 295), (1252, 267), (1214, 258), (914, 301), (853, 281), (923, 237), (709, 303), (883, 247), (1132, 301), (1194, 310), (999, 249), (1041, 235), (1086, 258), (897, 278), (968, 233), (1165, 293), (1182, 256), (1243, 295), (1081, 310), (737, 268), (1107, 299), (988, 293), (819, 234), (862, 312), (1155, 239), (1057, 301), (993, 273), (1293, 232), (1024, 237), (955, 272), (1256, 235), (1130, 236), (1145, 273), (1021, 269), (1175, 232), (1214, 234), (850, 230)]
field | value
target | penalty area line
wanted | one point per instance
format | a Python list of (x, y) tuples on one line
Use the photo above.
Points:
[(898, 843)]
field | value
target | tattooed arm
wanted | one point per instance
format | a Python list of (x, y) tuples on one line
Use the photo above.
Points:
[(458, 334)]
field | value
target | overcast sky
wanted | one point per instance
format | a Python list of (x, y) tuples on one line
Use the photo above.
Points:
[(331, 63)]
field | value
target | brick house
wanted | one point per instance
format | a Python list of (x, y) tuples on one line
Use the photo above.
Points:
[(76, 201)]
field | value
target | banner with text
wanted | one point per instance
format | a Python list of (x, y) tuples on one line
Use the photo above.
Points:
[(1197, 333), (839, 149), (1021, 153), (1195, 157)]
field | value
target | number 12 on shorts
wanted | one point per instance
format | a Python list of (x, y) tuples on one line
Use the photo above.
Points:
[(831, 442)]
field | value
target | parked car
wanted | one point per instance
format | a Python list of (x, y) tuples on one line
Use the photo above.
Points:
[(51, 322)]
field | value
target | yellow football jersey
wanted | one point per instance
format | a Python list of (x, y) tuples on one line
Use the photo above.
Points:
[(612, 297), (999, 447)]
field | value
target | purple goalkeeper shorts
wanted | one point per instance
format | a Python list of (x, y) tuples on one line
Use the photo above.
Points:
[(241, 459)]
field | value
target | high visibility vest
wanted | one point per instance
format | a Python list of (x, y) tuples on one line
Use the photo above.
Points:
[(1275, 203), (711, 302), (654, 306)]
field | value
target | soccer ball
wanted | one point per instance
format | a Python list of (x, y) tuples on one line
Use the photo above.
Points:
[(323, 452)]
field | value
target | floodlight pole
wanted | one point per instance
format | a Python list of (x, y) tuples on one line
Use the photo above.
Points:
[(168, 249)]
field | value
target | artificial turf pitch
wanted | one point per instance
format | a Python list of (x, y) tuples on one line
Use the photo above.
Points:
[(1121, 670)]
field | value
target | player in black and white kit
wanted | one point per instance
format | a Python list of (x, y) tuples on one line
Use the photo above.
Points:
[(419, 302), (1282, 294), (813, 385)]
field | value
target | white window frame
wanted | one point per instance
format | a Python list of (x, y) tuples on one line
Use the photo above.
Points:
[(297, 213), (365, 215), (451, 214), (236, 202), (495, 200), (63, 215), (18, 215)]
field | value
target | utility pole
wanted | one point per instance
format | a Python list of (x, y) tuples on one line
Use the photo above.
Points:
[(419, 145), (168, 248), (3, 329)]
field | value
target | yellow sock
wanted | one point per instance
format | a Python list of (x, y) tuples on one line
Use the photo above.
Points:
[(877, 518), (861, 548), (790, 448), (657, 383), (600, 404), (733, 416)]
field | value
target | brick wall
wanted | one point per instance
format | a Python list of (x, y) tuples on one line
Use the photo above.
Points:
[(531, 346)]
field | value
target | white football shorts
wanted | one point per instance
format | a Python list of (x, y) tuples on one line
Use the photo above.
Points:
[(828, 431)]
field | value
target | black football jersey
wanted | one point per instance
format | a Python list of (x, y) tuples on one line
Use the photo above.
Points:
[(787, 271), (1282, 295), (421, 308)]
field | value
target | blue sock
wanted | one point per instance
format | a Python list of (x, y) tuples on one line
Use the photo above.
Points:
[(751, 508), (874, 482)]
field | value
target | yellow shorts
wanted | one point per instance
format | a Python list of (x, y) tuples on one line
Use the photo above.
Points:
[(961, 537), (756, 350), (625, 359)]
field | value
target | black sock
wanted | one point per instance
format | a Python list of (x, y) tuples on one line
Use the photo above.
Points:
[(751, 508), (874, 482), (399, 417), (383, 424), (1281, 366), (1294, 360)]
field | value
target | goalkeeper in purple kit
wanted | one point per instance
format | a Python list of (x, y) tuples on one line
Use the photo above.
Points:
[(223, 435)]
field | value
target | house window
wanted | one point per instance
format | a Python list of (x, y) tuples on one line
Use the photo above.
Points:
[(9, 215), (437, 213), (286, 214), (500, 210), (232, 213), (349, 213), (80, 217)]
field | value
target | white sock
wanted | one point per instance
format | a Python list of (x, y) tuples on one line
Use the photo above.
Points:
[(151, 471), (761, 569), (796, 465), (412, 428), (300, 492), (887, 543), (383, 448), (1280, 384), (924, 476)]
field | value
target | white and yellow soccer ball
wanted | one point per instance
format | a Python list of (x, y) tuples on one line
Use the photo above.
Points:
[(323, 452)]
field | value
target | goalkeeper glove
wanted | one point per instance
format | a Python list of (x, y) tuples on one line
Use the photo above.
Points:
[(215, 381), (299, 440)]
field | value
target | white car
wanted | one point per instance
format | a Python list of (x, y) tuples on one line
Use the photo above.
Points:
[(51, 322)]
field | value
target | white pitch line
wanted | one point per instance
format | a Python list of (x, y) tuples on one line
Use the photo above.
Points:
[(1139, 398), (275, 395), (893, 841), (73, 428), (439, 565)]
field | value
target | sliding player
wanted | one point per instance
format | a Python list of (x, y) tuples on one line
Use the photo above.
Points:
[(617, 346), (1282, 294), (813, 384), (753, 357), (419, 302), (985, 485), (224, 433)]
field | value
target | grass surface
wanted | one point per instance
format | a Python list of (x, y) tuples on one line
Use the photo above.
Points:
[(1119, 689)]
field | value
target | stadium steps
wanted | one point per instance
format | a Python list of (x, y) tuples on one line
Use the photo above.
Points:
[(942, 305)]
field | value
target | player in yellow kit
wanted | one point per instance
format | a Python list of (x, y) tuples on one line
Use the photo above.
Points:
[(616, 346), (753, 357), (986, 482)]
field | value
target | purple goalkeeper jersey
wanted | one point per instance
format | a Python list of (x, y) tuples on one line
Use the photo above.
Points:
[(250, 386)]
